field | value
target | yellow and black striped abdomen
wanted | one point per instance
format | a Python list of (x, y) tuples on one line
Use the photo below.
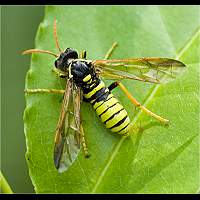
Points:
[(107, 107)]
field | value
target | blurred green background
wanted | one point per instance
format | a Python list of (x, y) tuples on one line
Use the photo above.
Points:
[(18, 29)]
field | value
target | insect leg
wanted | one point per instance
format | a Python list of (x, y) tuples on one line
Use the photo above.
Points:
[(83, 54), (113, 85), (58, 73), (110, 51), (83, 141), (32, 91), (136, 103)]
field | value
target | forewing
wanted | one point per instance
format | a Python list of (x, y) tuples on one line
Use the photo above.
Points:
[(154, 70), (67, 139)]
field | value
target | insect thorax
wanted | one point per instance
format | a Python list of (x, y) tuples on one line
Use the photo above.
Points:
[(68, 63), (83, 74)]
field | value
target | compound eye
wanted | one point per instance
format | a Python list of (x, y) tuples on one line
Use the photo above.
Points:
[(56, 64), (70, 53)]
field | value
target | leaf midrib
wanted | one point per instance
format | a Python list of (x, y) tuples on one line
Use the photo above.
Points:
[(151, 95)]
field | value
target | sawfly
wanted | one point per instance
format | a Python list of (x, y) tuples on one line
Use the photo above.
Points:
[(83, 82)]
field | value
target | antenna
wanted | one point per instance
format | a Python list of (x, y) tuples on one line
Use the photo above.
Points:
[(29, 51), (55, 35)]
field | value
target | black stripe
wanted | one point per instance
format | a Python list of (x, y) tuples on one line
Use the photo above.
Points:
[(119, 123), (97, 94), (124, 127), (113, 115), (97, 100), (107, 108), (102, 97)]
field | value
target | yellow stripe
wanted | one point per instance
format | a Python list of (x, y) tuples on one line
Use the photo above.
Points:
[(92, 85), (116, 119), (111, 111), (100, 102), (92, 101), (97, 104), (100, 86), (126, 130), (89, 81), (118, 128), (105, 105), (87, 78)]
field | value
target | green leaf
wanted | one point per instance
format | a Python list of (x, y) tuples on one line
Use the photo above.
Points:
[(156, 159)]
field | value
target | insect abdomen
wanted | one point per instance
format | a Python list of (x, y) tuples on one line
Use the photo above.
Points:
[(108, 108)]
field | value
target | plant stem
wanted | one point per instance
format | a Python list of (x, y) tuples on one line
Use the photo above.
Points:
[(4, 186)]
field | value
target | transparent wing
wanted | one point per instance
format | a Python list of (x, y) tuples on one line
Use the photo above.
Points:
[(154, 70), (67, 138)]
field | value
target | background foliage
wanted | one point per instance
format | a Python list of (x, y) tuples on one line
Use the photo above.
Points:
[(18, 28)]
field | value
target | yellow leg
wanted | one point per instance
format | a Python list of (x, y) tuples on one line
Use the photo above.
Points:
[(82, 54), (83, 141), (33, 91), (136, 103), (59, 73), (110, 51)]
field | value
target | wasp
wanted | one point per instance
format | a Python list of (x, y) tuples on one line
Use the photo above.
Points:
[(83, 82)]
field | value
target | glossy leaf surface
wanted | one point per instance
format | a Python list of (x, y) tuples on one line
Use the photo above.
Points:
[(155, 159)]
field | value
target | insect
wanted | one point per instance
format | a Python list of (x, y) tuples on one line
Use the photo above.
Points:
[(83, 81)]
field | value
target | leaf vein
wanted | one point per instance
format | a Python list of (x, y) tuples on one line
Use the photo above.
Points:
[(118, 145)]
